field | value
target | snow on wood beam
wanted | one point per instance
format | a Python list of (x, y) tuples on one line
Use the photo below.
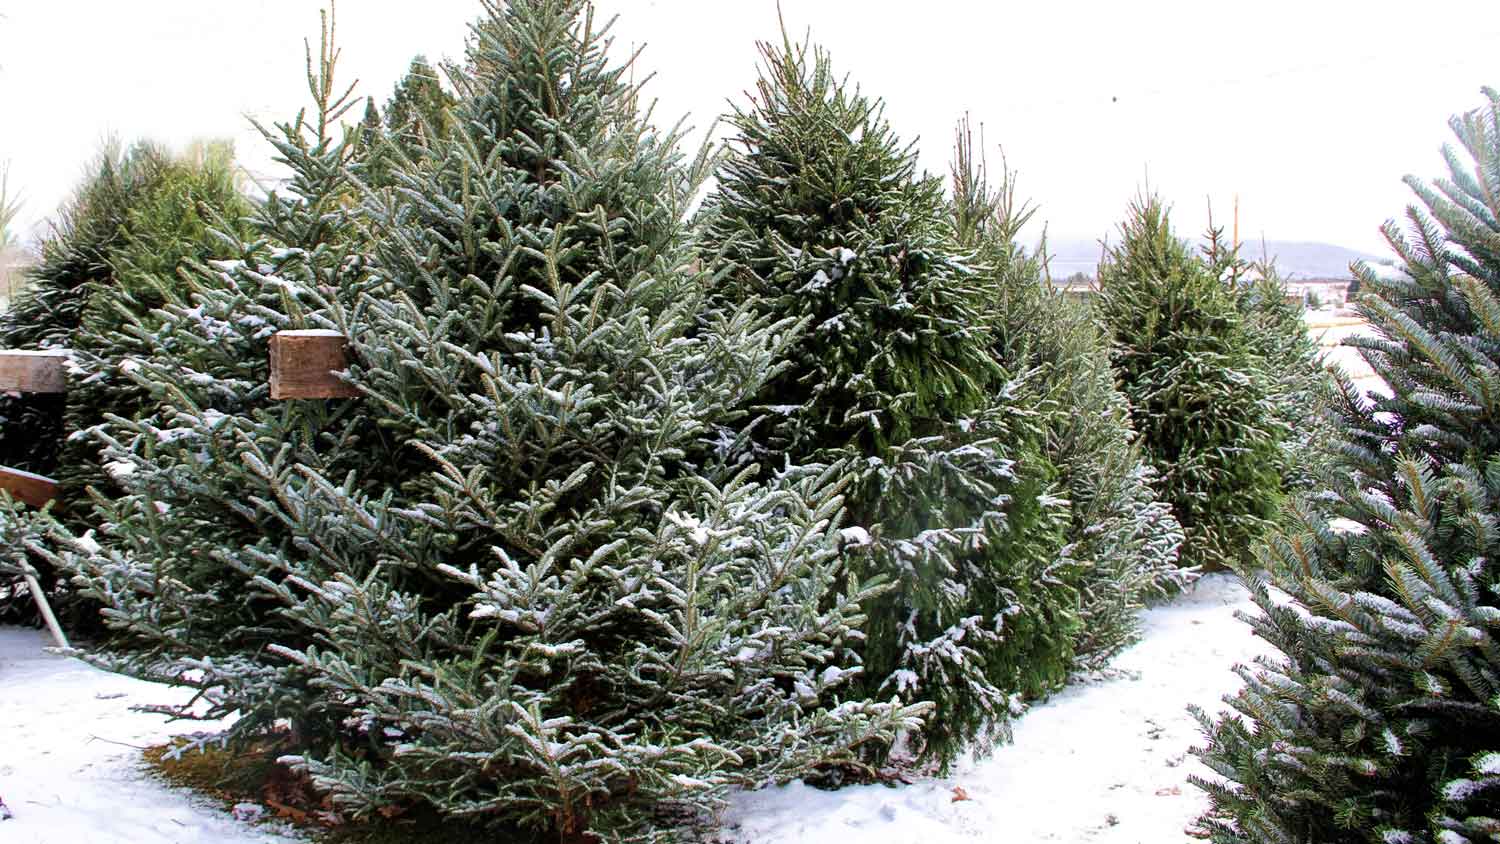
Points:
[(33, 490), (34, 372), (303, 363)]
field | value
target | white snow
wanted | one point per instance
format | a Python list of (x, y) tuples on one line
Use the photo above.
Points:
[(70, 769), (1105, 761), (311, 332), (855, 536)]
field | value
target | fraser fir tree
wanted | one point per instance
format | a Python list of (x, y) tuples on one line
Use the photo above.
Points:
[(419, 109), (1124, 540), (1198, 392), (893, 375), (112, 258), (1377, 721), (170, 555), (1300, 388), (497, 583)]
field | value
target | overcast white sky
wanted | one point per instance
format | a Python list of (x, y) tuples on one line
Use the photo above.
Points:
[(1309, 110)]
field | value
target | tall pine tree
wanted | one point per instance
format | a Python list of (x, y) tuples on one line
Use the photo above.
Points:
[(826, 221), (1378, 719), (497, 583), (1198, 390)]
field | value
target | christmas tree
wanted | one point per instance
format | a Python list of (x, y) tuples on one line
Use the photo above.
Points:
[(1377, 720), (1197, 389), (419, 108), (1124, 540), (1300, 387), (893, 375), (111, 259), (498, 582)]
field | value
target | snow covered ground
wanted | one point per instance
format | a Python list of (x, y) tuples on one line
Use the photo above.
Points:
[(1329, 331), (1101, 762), (70, 764), (1104, 761)]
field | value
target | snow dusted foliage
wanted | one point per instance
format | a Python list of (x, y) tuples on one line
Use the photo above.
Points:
[(1124, 541), (1301, 390), (202, 478), (825, 220), (1378, 720), (1197, 388), (498, 582), (111, 258)]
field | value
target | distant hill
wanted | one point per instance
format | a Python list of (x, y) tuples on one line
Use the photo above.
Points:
[(1296, 259)]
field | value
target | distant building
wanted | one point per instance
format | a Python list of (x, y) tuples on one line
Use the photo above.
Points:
[(1308, 292), (1318, 292)]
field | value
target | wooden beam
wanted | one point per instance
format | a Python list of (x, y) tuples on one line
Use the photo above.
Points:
[(34, 490), (303, 363), (34, 372)]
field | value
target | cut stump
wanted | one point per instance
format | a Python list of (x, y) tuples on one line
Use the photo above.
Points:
[(303, 364), (33, 372)]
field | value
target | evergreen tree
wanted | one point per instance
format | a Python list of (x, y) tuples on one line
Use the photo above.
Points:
[(1125, 541), (1378, 721), (498, 582), (821, 212), (10, 209), (1300, 388), (419, 110), (112, 258), (140, 213), (1198, 391)]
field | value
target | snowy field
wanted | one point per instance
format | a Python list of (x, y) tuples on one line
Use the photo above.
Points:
[(70, 760), (1329, 331), (1104, 761)]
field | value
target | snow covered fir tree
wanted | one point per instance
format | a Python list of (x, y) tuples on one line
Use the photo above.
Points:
[(112, 256), (656, 475), (1198, 390), (1125, 540), (894, 376), (510, 580), (1376, 721)]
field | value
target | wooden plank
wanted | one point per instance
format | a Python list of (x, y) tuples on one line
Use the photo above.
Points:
[(303, 363), (34, 490), (34, 372)]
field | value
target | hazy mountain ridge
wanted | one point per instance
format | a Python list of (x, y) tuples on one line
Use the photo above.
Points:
[(1296, 259)]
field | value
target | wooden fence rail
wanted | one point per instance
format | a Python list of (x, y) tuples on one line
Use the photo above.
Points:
[(302, 367)]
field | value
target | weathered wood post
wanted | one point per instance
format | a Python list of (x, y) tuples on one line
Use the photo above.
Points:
[(34, 372), (31, 372), (27, 488), (303, 364)]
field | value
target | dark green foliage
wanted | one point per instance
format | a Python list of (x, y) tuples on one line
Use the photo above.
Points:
[(1378, 719), (420, 108), (1300, 388), (112, 257), (1124, 540), (1199, 395), (419, 111), (497, 584), (826, 221), (140, 214)]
